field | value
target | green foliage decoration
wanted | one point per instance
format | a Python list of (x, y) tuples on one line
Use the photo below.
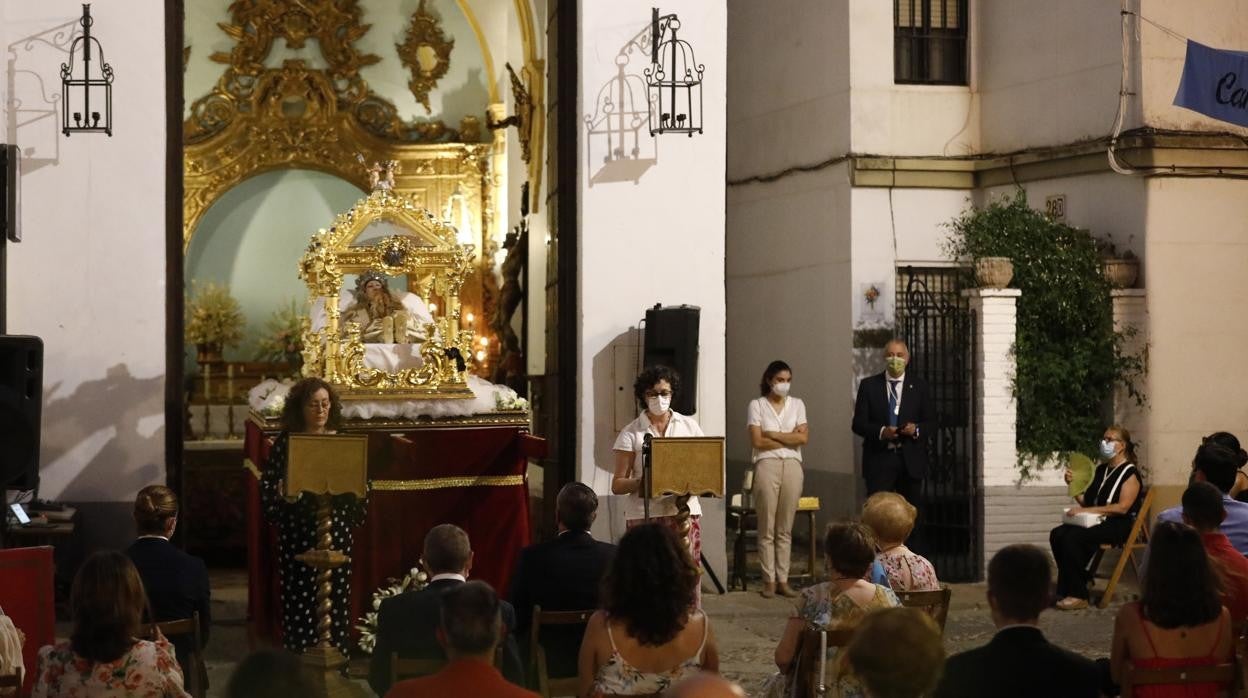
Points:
[(1069, 357), (283, 338)]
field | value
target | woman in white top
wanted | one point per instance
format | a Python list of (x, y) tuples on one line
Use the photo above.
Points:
[(778, 430), (654, 389)]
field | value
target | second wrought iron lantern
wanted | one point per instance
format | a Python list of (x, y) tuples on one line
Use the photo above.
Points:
[(674, 79), (92, 97)]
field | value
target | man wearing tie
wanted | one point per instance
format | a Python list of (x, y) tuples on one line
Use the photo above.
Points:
[(894, 418)]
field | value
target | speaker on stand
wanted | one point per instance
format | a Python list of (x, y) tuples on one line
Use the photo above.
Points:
[(21, 400), (672, 341)]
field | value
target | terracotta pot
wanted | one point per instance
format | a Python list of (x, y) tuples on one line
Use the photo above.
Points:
[(209, 353), (1121, 273), (994, 272)]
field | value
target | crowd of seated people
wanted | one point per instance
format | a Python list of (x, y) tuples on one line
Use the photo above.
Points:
[(646, 635)]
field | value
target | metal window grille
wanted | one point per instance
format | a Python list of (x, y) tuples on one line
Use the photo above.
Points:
[(929, 42)]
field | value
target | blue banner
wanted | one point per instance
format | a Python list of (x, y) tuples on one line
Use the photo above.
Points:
[(1215, 83)]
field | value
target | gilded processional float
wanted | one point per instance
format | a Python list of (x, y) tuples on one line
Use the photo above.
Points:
[(384, 327)]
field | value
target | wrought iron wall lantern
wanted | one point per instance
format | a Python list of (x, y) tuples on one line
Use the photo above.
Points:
[(674, 79), (92, 97)]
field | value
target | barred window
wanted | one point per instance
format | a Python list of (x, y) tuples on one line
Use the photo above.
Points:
[(929, 42)]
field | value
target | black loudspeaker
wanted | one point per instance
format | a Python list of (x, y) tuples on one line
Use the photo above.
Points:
[(21, 397), (10, 198), (672, 340)]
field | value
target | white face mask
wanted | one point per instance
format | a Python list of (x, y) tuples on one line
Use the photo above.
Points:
[(659, 404), (781, 388)]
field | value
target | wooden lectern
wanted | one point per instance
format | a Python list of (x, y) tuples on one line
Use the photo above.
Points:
[(683, 467), (323, 466)]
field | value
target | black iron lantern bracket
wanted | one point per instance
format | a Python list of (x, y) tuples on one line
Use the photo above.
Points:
[(83, 118), (674, 79)]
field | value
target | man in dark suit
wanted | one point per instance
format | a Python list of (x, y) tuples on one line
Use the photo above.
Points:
[(408, 623), (894, 417), (470, 629), (176, 583), (1019, 661), (562, 574)]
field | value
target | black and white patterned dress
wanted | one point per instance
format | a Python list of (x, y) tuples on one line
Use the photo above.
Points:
[(296, 525)]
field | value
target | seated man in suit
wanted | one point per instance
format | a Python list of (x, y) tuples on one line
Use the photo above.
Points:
[(176, 583), (1019, 661), (562, 574), (408, 623), (469, 629)]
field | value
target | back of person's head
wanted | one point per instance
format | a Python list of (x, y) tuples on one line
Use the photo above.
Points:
[(850, 547), (470, 618), (890, 516), (1180, 588), (154, 507), (269, 673), (107, 602), (446, 549), (1218, 464), (897, 653), (1230, 442), (576, 506), (1018, 582), (650, 584), (705, 684), (1202, 507)]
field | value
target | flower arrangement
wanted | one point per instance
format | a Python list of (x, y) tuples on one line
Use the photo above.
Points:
[(213, 316), (283, 338), (508, 401), (268, 397), (414, 581)]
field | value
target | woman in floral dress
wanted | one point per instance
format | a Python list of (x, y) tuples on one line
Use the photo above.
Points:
[(891, 518), (841, 602), (312, 407), (103, 657)]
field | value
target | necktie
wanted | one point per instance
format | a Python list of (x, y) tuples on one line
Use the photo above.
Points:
[(892, 403)]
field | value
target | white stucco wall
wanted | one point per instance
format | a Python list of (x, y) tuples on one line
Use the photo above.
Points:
[(89, 276), (659, 240)]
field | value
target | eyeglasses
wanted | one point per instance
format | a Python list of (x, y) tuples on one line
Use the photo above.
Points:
[(322, 406), (650, 393)]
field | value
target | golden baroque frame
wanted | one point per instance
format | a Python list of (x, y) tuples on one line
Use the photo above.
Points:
[(424, 32), (427, 253)]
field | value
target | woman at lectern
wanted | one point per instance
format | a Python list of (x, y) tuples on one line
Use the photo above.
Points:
[(312, 407), (653, 390)]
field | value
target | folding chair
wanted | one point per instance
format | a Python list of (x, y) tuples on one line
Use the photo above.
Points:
[(936, 603), (1223, 674), (559, 686), (812, 660), (195, 662), (1135, 544)]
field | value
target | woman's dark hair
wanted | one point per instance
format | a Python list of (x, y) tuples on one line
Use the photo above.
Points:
[(1128, 445), (850, 547), (1228, 441), (153, 507), (1180, 588), (650, 584), (300, 393), (764, 386), (269, 673), (107, 602), (649, 377)]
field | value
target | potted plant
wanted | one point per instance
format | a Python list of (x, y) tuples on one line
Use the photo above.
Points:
[(214, 321), (1120, 270), (994, 272)]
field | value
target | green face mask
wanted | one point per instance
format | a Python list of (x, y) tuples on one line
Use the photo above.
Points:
[(896, 365)]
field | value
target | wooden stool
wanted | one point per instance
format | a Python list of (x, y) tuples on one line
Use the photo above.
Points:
[(746, 522)]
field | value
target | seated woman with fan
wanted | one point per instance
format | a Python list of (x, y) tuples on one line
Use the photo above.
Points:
[(1114, 493)]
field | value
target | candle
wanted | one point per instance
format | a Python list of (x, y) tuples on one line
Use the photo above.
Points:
[(229, 383), (207, 373), (485, 341), (469, 318)]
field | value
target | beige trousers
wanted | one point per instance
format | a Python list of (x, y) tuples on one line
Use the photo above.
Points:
[(777, 487)]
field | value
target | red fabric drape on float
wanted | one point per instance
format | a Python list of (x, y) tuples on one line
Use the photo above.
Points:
[(28, 597), (389, 543)]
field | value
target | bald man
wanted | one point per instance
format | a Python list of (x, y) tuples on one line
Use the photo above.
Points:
[(893, 414)]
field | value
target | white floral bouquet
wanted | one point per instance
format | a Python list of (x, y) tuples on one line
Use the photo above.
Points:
[(414, 581), (507, 400), (268, 397)]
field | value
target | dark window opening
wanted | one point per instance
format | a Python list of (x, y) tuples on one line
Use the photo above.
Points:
[(929, 42)]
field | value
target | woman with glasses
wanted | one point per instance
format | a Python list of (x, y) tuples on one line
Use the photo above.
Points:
[(654, 389), (1113, 493), (312, 407)]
